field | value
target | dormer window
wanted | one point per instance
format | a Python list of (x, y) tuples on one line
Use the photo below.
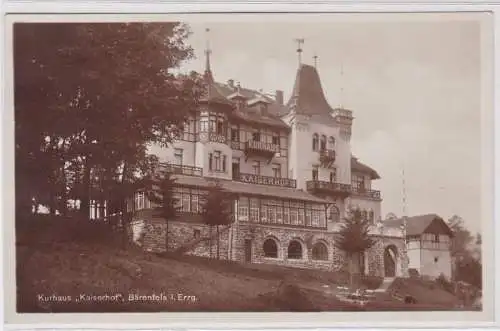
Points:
[(315, 142)]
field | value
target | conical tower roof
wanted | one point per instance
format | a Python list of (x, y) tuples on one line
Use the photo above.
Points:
[(307, 96)]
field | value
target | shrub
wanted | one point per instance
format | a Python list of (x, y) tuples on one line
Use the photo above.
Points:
[(445, 284)]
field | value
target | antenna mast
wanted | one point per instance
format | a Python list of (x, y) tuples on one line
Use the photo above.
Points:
[(300, 42)]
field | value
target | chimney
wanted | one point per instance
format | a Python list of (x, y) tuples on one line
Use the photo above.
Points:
[(230, 83), (279, 97)]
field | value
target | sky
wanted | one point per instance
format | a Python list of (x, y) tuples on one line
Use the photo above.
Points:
[(413, 87)]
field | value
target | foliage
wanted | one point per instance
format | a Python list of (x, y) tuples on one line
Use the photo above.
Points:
[(101, 93), (445, 284), (161, 194), (353, 237), (217, 210)]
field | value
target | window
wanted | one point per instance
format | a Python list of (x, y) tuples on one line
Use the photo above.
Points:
[(213, 124), (358, 182), (256, 136), (217, 161), (277, 170), (178, 156), (371, 216), (334, 214), (331, 143), (320, 252), (436, 260), (364, 214), (196, 233), (243, 209), (276, 140), (204, 124), (224, 159), (323, 143), (139, 200), (188, 200), (333, 176), (270, 248), (195, 203), (210, 161), (220, 127), (235, 134), (435, 238), (294, 250), (254, 210), (315, 174), (256, 167), (315, 142)]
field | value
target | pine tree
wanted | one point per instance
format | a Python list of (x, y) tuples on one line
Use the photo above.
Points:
[(217, 210), (161, 195), (353, 238)]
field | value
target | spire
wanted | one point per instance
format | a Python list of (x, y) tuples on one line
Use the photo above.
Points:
[(300, 42), (208, 52), (315, 57)]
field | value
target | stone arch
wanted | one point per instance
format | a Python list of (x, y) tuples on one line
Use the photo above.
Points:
[(320, 251), (270, 246), (295, 250), (391, 257)]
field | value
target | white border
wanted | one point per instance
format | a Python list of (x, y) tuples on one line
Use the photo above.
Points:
[(243, 320)]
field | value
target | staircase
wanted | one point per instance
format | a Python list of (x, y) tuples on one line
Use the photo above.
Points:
[(386, 283), (193, 243)]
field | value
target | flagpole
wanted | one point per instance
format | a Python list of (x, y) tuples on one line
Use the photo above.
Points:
[(404, 257)]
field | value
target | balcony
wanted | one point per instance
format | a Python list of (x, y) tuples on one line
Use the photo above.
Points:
[(328, 188), (372, 194), (265, 180), (260, 148), (183, 170), (327, 157)]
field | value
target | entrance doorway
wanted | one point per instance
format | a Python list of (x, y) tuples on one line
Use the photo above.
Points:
[(390, 261), (248, 250)]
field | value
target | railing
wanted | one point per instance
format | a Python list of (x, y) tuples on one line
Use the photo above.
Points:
[(342, 112), (262, 146), (265, 180), (327, 156), (204, 136), (367, 193), (183, 170), (316, 185)]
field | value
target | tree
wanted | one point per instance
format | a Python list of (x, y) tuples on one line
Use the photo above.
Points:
[(101, 93), (161, 194), (353, 238), (217, 210)]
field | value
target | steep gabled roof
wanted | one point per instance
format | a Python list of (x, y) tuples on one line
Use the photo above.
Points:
[(417, 225), (363, 168), (307, 96)]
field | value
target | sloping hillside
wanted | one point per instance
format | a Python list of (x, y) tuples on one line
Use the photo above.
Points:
[(88, 271)]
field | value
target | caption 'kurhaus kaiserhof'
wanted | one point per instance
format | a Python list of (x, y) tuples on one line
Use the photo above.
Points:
[(291, 167)]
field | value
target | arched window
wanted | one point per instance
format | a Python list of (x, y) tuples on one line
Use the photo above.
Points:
[(334, 214), (320, 252), (294, 250), (315, 142), (331, 143), (270, 248), (365, 215), (323, 142)]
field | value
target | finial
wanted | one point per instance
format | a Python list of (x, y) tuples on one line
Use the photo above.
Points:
[(300, 42), (315, 57), (208, 52)]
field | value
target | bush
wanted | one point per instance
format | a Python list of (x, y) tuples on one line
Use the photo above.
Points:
[(410, 299)]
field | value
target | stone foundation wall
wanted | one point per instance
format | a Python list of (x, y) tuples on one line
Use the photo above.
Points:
[(233, 242)]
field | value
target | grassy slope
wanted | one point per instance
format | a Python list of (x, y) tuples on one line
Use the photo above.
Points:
[(58, 264)]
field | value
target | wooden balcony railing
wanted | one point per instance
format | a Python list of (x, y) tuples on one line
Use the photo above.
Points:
[(183, 169), (316, 186), (265, 180), (373, 194)]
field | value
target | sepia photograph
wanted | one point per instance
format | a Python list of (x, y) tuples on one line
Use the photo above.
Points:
[(299, 164)]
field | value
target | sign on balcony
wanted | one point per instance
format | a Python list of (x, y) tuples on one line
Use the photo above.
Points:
[(266, 180), (261, 146)]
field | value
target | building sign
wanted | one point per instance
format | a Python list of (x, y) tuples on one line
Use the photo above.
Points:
[(266, 180)]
